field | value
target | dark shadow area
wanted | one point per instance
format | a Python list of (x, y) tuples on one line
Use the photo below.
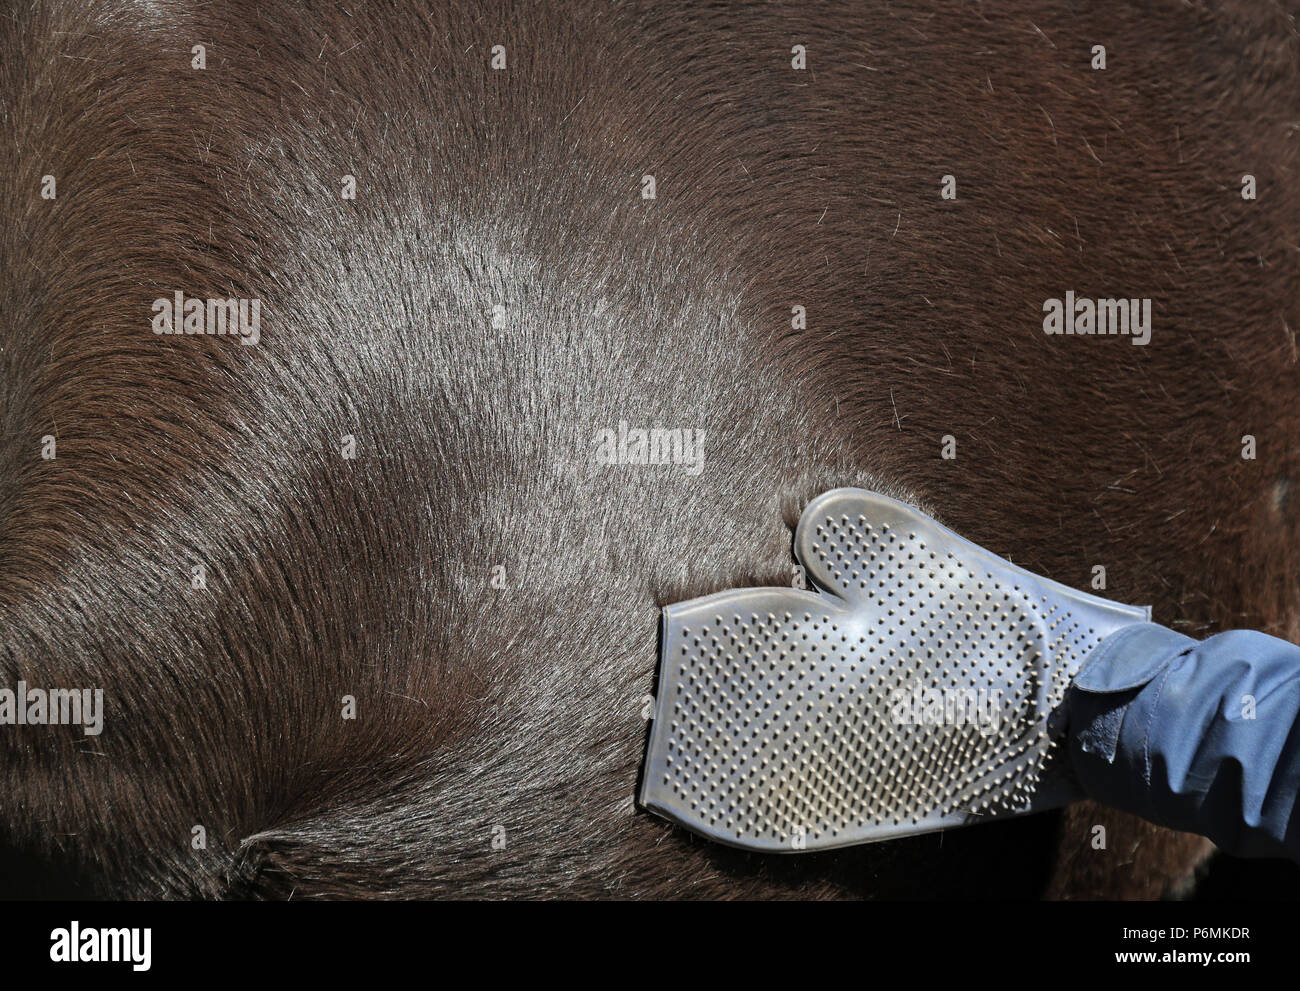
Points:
[(24, 877), (1228, 878)]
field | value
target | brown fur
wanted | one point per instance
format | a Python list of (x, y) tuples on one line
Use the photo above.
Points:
[(521, 708)]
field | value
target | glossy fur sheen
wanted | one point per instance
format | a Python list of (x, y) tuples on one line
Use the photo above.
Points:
[(521, 707)]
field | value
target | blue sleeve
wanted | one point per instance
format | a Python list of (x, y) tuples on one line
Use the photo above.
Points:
[(1201, 736)]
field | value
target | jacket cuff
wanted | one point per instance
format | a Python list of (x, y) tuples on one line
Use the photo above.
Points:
[(1110, 678), (1130, 657)]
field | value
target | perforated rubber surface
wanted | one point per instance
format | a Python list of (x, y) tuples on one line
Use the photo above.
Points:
[(908, 691)]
